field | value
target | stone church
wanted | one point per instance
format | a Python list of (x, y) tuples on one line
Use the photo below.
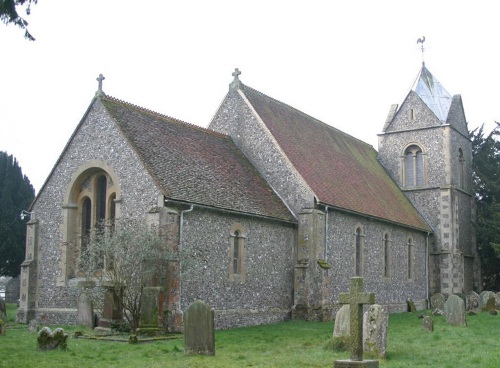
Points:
[(278, 209)]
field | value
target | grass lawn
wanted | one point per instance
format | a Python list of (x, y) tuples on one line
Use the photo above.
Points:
[(288, 344)]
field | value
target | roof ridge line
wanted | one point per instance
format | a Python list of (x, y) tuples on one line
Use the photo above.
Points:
[(163, 116)]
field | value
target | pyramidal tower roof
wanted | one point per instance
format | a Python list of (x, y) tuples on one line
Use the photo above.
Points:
[(428, 88)]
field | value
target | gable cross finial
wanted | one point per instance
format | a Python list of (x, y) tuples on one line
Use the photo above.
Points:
[(99, 88), (235, 84), (421, 42)]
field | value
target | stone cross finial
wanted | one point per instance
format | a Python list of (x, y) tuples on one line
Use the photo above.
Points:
[(235, 84), (99, 88), (356, 298)]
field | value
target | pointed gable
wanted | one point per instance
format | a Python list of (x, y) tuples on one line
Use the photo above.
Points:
[(195, 165), (342, 171)]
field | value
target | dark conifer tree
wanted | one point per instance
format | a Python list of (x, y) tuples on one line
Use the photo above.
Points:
[(16, 194), (486, 167)]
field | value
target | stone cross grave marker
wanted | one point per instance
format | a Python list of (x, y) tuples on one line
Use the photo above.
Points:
[(356, 298), (199, 333)]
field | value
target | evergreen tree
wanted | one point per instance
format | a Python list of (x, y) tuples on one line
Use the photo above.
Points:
[(16, 194), (486, 168)]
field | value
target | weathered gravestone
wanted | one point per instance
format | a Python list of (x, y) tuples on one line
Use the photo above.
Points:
[(490, 304), (85, 311), (484, 297), (375, 323), (48, 340), (497, 300), (356, 298), (437, 301), (112, 313), (471, 301), (410, 306), (428, 324), (150, 322), (342, 323), (3, 307), (454, 309), (199, 329), (33, 326)]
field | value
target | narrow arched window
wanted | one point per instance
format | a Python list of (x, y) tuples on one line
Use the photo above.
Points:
[(358, 252), (101, 184), (237, 253), (386, 255), (86, 220), (410, 258), (413, 167)]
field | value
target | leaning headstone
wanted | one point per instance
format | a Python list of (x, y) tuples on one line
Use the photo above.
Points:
[(356, 298), (471, 301), (85, 310), (375, 322), (454, 309), (3, 307), (497, 300), (428, 323), (341, 327), (483, 298), (437, 301), (199, 332), (48, 340), (411, 306)]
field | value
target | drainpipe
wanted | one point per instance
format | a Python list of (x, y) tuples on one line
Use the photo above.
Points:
[(427, 269), (326, 234)]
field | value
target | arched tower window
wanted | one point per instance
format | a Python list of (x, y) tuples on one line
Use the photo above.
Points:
[(413, 167), (461, 169), (358, 251)]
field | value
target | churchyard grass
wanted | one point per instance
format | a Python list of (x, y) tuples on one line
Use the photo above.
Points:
[(289, 344)]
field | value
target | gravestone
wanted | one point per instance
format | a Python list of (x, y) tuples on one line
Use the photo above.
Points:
[(356, 298), (410, 306), (454, 309), (483, 298), (199, 331), (437, 301), (112, 313), (375, 323), (85, 311), (471, 301), (33, 326), (48, 340), (497, 300), (490, 304), (3, 307), (151, 311), (428, 324), (342, 323)]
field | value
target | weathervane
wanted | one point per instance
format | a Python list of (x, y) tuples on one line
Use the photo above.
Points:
[(421, 41)]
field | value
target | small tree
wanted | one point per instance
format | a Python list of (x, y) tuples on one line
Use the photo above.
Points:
[(129, 255)]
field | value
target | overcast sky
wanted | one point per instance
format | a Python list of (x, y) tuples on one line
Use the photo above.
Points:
[(343, 62)]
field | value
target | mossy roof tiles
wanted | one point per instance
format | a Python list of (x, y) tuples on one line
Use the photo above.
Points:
[(195, 165), (342, 171)]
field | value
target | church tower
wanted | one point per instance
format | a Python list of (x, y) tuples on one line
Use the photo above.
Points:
[(425, 146)]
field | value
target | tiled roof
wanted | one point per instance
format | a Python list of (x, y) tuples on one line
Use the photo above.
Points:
[(342, 171), (195, 165)]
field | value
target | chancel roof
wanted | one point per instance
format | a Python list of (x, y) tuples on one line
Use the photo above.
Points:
[(342, 171), (195, 165), (428, 88)]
